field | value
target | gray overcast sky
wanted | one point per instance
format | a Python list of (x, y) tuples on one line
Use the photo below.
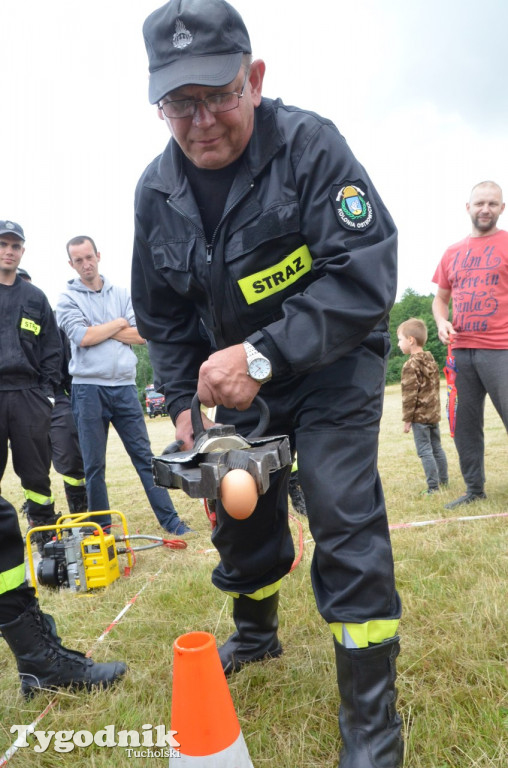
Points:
[(417, 88)]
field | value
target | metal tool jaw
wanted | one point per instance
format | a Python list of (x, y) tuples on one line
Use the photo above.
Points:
[(199, 472)]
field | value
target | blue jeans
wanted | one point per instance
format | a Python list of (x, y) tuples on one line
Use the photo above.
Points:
[(427, 439), (95, 408)]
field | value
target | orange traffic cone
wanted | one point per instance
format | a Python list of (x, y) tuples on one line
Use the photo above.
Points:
[(203, 715)]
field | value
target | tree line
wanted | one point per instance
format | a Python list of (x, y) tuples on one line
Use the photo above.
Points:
[(411, 304)]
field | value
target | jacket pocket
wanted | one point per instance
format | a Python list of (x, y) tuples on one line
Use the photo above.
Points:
[(267, 263), (29, 326), (174, 262), (270, 226)]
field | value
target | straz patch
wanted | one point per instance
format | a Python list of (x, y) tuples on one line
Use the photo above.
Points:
[(263, 284), (29, 325), (352, 206)]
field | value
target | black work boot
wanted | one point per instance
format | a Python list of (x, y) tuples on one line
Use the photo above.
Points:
[(256, 636), (42, 660), (369, 724), (40, 538), (76, 498)]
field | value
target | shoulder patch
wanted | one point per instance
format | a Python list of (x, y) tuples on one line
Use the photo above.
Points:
[(352, 205)]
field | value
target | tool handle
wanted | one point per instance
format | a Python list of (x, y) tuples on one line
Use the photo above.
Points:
[(259, 429), (173, 447)]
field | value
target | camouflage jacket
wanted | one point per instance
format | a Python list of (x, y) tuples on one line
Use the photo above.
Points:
[(420, 389)]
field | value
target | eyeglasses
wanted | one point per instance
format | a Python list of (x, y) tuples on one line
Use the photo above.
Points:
[(214, 103)]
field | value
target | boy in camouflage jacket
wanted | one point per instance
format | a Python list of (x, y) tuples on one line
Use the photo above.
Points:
[(421, 405)]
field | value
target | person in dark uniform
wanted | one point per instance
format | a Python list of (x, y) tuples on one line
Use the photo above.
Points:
[(30, 361), (65, 450), (258, 224), (43, 662)]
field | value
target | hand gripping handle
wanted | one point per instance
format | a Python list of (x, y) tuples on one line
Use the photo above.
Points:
[(258, 431)]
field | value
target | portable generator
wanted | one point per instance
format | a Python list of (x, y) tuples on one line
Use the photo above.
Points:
[(81, 556)]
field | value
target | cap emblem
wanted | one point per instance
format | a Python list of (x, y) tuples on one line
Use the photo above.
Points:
[(182, 37)]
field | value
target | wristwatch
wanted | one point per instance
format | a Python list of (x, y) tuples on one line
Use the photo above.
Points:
[(259, 367)]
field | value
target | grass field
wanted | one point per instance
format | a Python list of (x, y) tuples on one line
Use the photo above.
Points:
[(452, 577)]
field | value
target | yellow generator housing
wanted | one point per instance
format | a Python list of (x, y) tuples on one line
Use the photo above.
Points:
[(100, 561), (81, 556)]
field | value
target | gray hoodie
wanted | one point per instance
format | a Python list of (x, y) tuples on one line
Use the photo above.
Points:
[(110, 363)]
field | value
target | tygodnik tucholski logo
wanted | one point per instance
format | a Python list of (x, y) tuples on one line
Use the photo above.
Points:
[(151, 741)]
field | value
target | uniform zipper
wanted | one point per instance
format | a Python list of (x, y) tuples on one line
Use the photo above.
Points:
[(209, 247)]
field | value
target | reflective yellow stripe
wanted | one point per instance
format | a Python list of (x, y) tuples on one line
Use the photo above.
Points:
[(38, 498), (360, 635), (29, 325), (12, 578), (260, 594), (73, 481), (262, 284)]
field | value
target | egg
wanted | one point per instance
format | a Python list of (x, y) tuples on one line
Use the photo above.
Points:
[(239, 494)]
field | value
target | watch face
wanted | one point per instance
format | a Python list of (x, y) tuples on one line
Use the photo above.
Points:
[(260, 368)]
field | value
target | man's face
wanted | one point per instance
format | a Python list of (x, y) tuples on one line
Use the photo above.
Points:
[(213, 141), (485, 207), (85, 261), (11, 251)]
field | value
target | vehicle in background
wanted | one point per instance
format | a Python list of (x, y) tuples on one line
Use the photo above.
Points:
[(154, 402)]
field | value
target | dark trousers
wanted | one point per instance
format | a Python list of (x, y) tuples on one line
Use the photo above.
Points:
[(95, 408), (25, 418), (66, 453), (480, 372), (15, 594), (332, 417)]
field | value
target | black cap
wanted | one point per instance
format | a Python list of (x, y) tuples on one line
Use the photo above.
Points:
[(193, 42), (11, 228)]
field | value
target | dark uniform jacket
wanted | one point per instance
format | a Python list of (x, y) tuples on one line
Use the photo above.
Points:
[(302, 263), (30, 347), (421, 403)]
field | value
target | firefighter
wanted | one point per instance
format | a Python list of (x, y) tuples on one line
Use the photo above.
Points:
[(65, 450), (259, 225), (30, 361)]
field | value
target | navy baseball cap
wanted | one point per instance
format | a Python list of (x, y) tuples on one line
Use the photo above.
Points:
[(11, 228), (193, 42)]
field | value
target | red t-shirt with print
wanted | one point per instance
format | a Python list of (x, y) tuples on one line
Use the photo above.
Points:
[(475, 270)]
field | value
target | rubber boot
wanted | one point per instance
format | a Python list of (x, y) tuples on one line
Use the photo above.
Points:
[(256, 636), (42, 660), (369, 724)]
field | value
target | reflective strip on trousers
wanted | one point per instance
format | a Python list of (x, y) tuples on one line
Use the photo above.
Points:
[(12, 578), (260, 594), (362, 635), (73, 481), (38, 498)]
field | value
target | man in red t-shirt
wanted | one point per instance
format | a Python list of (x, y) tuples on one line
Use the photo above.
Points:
[(474, 274)]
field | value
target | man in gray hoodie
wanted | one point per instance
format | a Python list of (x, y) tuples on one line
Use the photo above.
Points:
[(99, 321)]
